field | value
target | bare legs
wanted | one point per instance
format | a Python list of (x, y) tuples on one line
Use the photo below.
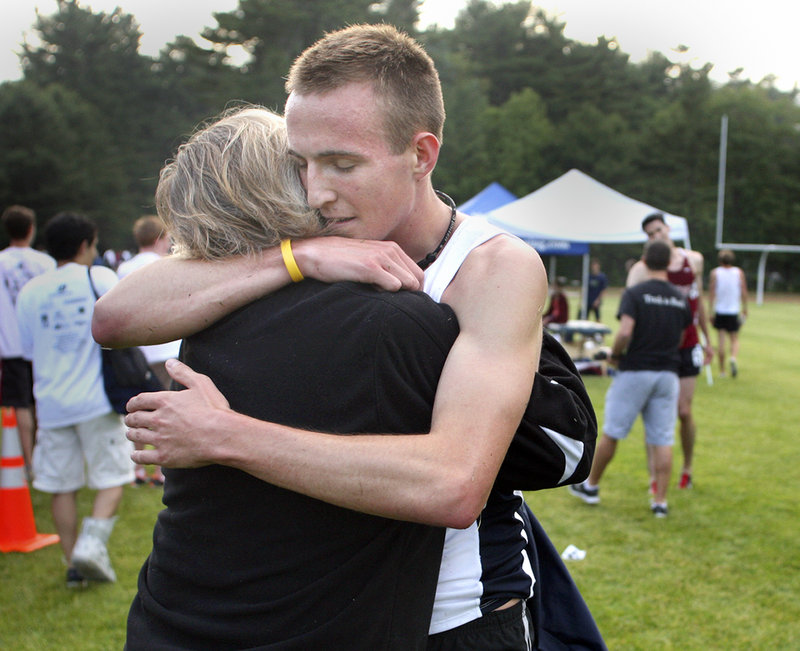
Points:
[(605, 451), (686, 419), (662, 463), (65, 517), (65, 513), (26, 429), (721, 350), (723, 336)]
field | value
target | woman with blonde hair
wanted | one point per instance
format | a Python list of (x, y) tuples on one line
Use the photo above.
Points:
[(233, 188), (238, 562)]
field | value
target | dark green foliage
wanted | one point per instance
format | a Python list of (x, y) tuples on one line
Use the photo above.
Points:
[(56, 155), (95, 56), (95, 120), (274, 32), (519, 132)]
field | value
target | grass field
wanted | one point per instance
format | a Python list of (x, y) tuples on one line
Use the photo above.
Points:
[(721, 572)]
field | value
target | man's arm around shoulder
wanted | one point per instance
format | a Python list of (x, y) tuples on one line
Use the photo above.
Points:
[(498, 297), (442, 478), (173, 298)]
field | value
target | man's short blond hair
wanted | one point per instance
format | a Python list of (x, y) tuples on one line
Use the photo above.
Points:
[(147, 230), (403, 74), (233, 189)]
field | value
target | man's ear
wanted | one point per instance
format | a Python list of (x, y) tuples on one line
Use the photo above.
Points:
[(426, 149)]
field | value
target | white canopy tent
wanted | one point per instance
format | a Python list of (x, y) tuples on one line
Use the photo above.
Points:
[(577, 208), (495, 195)]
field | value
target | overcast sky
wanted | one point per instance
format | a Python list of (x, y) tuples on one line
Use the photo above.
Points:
[(761, 37)]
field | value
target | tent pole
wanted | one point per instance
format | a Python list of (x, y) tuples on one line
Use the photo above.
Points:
[(723, 156), (762, 270), (552, 268), (584, 285)]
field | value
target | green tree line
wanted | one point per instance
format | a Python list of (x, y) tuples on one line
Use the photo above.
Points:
[(93, 120)]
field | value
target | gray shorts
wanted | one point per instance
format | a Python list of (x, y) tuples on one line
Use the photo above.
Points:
[(63, 456), (654, 394)]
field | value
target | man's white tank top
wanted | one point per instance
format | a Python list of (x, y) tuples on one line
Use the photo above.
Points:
[(459, 589), (728, 291)]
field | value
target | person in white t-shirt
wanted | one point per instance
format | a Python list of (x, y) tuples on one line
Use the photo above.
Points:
[(153, 242), (81, 439), (18, 264), (727, 300)]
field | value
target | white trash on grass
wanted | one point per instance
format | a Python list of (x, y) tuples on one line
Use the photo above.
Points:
[(572, 553)]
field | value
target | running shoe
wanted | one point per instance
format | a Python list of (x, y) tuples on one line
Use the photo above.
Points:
[(75, 579), (734, 369), (686, 481), (659, 510), (588, 495), (90, 558)]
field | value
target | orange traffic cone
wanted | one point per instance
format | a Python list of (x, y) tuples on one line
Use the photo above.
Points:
[(17, 528)]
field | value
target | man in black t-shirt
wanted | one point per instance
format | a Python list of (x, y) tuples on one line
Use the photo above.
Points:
[(653, 315)]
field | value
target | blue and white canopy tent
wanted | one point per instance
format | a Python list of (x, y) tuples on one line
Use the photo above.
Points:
[(494, 196), (580, 210), (577, 208)]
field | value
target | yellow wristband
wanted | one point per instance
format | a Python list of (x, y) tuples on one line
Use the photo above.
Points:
[(289, 261)]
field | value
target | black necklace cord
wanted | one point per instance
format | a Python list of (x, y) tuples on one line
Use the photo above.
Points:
[(429, 259)]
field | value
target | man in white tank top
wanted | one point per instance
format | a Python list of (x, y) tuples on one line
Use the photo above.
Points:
[(369, 175), (727, 301)]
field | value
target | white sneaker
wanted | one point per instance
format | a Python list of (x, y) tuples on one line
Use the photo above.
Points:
[(90, 554), (90, 558)]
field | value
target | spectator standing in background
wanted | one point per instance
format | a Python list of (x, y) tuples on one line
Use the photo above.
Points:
[(558, 312), (727, 300), (594, 293), (685, 271), (653, 316), (19, 262), (79, 432), (153, 242)]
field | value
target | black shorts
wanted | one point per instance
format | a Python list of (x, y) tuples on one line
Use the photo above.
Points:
[(727, 322), (16, 383), (501, 630), (691, 361)]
